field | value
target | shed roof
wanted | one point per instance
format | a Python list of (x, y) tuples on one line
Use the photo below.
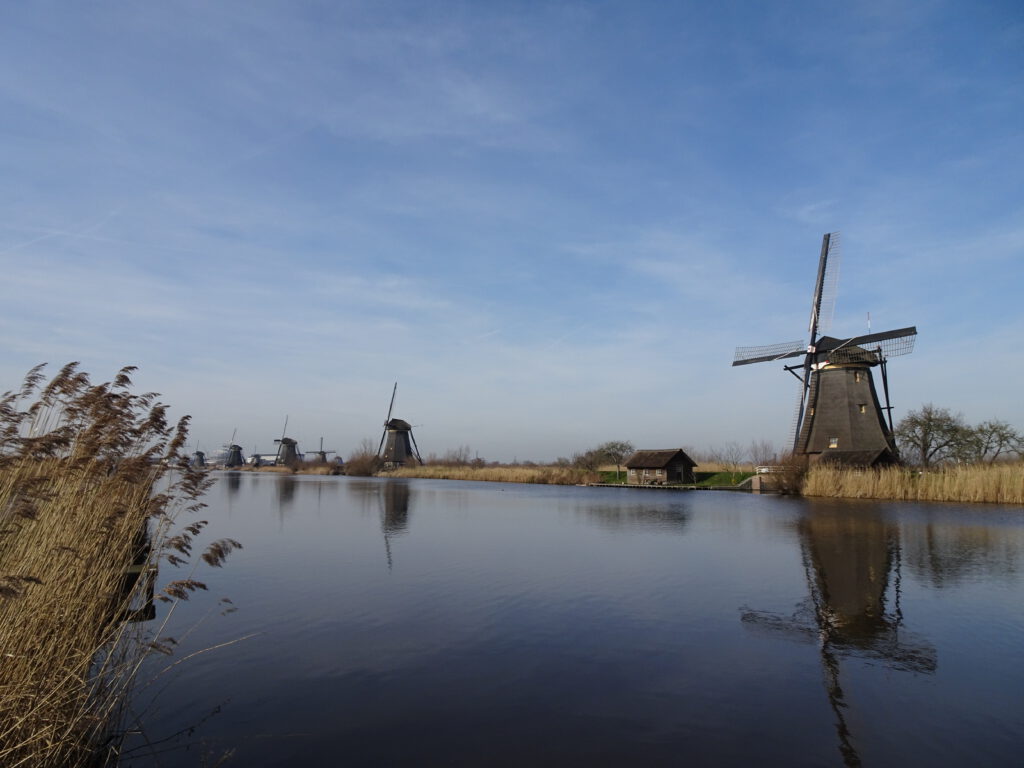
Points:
[(658, 459)]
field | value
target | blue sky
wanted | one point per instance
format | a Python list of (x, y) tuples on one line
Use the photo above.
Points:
[(550, 222)]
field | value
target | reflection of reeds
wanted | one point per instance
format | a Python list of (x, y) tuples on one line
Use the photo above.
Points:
[(78, 470), (996, 483), (545, 475)]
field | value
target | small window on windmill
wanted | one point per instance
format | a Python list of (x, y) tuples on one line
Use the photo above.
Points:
[(810, 411), (856, 376), (833, 442), (863, 408)]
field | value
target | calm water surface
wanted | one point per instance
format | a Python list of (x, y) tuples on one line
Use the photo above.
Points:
[(420, 622)]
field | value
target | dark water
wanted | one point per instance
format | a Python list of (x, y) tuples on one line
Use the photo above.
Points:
[(443, 623)]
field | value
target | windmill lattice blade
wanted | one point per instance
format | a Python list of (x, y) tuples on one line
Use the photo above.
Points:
[(889, 343), (830, 284), (392, 405), (798, 409), (768, 352)]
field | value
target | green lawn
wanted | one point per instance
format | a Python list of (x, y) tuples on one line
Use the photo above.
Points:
[(702, 478), (722, 478)]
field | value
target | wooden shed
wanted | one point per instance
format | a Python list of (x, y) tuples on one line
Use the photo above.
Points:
[(671, 465)]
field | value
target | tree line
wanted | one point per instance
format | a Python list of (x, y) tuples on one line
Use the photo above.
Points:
[(934, 435)]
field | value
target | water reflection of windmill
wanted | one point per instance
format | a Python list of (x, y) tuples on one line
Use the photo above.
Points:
[(838, 415), (850, 561), (394, 512), (397, 444)]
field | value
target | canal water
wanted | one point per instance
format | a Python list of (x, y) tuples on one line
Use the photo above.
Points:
[(424, 622)]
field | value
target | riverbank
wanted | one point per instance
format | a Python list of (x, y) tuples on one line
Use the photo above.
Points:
[(77, 510), (987, 483), (539, 475), (983, 483)]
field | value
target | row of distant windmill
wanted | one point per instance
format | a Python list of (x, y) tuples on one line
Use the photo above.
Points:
[(838, 415), (397, 447)]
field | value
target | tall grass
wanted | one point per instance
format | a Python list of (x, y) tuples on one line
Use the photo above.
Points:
[(545, 475), (993, 483), (79, 474)]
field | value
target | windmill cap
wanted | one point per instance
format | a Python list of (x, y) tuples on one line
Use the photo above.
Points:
[(398, 424)]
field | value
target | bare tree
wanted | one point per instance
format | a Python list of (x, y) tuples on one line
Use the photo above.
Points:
[(363, 461), (731, 456), (994, 438), (616, 451), (932, 435), (589, 460), (763, 452)]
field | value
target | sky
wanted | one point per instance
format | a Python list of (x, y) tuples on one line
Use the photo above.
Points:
[(550, 222)]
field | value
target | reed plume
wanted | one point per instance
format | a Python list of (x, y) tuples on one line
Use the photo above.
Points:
[(90, 474)]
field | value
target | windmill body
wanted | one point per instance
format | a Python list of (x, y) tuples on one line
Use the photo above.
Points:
[(234, 457), (840, 417), (287, 452), (397, 444), (843, 417)]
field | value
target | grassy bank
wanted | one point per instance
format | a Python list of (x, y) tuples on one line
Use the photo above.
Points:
[(993, 483), (545, 475), (78, 469)]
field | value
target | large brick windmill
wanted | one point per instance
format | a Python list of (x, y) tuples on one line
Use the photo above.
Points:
[(397, 445), (838, 416)]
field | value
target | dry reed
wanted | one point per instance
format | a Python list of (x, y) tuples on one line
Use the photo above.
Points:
[(544, 475), (991, 483), (79, 469)]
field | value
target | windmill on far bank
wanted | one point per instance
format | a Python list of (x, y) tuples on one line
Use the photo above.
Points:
[(233, 455), (838, 416), (321, 455), (397, 444), (287, 449)]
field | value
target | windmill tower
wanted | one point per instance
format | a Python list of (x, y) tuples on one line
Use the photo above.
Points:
[(233, 454), (234, 457), (397, 445), (321, 455), (838, 416), (287, 450)]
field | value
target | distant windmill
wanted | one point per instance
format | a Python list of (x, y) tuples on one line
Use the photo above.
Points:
[(198, 459), (321, 455), (287, 451), (234, 457), (838, 415), (397, 444)]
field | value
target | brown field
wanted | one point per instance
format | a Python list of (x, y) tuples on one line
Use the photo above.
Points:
[(76, 496), (546, 475), (992, 483)]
